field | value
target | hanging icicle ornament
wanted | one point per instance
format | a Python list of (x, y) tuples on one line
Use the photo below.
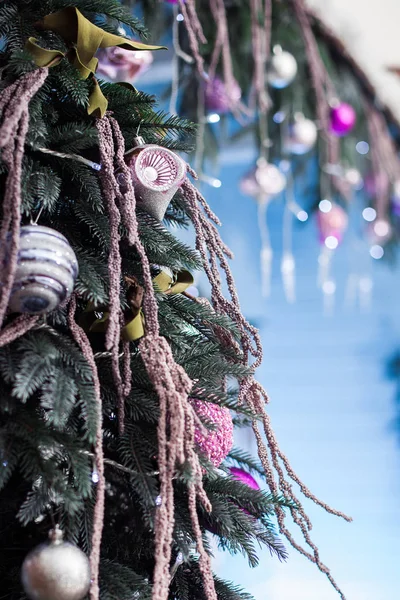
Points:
[(217, 443), (56, 570), (218, 99), (156, 173), (282, 68), (118, 64), (342, 118), (302, 135), (46, 271), (264, 182)]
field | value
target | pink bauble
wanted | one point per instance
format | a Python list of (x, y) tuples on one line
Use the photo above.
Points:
[(218, 98), (343, 119), (332, 223), (217, 443), (244, 478), (118, 64)]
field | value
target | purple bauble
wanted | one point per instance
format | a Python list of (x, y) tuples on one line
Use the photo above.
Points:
[(217, 98), (343, 119), (244, 478), (215, 444)]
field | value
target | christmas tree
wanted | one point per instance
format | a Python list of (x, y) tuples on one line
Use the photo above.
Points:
[(118, 386)]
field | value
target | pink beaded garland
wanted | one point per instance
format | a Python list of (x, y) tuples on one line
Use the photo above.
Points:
[(215, 444)]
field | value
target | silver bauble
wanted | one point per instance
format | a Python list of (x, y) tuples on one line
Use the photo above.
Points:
[(263, 181), (301, 137), (282, 69), (157, 173), (46, 271), (56, 570)]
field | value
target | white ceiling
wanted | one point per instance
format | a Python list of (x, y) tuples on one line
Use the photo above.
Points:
[(370, 31)]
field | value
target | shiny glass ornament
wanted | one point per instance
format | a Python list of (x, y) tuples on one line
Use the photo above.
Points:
[(244, 477), (301, 136), (46, 271), (264, 180), (343, 118), (282, 68), (56, 570), (118, 64)]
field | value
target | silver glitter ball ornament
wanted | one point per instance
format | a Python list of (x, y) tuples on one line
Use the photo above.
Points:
[(56, 570), (282, 69), (157, 173), (46, 271)]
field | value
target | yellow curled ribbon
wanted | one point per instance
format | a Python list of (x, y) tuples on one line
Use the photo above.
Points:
[(134, 330), (85, 39)]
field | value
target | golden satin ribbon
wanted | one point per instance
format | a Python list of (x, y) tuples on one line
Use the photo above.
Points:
[(134, 330), (85, 39)]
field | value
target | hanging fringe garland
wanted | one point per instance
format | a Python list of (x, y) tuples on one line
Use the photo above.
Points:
[(385, 160), (277, 468), (324, 92), (82, 341), (176, 427), (14, 106), (261, 40)]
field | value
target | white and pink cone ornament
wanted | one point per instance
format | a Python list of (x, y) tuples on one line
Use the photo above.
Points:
[(157, 174)]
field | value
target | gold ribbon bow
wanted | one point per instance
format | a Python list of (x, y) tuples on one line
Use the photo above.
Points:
[(85, 39), (134, 329)]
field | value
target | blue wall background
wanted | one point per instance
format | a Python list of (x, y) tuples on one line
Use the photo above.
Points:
[(331, 405)]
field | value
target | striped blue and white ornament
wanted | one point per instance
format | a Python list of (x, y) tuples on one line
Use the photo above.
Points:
[(46, 271)]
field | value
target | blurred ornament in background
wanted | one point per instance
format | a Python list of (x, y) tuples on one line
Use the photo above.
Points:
[(56, 570), (117, 64), (282, 68), (396, 199), (217, 443), (379, 231), (157, 173), (354, 178), (244, 477), (343, 118), (376, 184), (220, 100), (46, 271), (301, 136), (263, 180), (331, 224)]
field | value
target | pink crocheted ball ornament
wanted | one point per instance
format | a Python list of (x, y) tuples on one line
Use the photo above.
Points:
[(217, 443)]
